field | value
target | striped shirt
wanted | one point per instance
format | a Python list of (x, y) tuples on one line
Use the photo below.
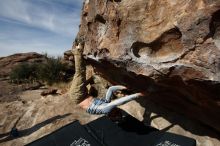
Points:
[(97, 106)]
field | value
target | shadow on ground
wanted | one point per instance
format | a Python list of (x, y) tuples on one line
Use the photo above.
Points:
[(31, 130), (191, 125)]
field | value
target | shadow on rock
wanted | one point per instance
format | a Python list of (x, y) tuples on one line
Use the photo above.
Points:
[(193, 126), (191, 99)]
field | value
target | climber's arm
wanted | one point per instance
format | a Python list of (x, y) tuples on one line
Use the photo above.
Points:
[(111, 90), (98, 106)]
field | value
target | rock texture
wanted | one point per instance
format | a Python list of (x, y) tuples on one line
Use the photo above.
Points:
[(9, 62), (169, 48), (36, 116)]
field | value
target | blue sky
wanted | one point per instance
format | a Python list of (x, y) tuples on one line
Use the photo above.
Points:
[(38, 25)]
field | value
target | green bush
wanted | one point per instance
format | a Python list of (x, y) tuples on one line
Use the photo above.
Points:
[(51, 71), (24, 72)]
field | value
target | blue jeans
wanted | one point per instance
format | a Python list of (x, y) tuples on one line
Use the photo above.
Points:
[(104, 106)]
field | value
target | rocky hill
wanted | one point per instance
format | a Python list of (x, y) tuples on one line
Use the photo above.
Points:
[(9, 62), (168, 48)]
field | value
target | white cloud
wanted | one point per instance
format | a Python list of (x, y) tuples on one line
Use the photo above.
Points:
[(15, 9), (42, 15), (38, 25)]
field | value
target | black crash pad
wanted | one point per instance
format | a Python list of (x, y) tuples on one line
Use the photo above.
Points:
[(132, 132), (73, 134), (104, 132)]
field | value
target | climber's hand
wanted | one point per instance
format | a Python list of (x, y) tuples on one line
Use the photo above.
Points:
[(141, 94)]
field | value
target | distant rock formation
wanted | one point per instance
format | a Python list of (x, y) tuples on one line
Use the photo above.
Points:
[(169, 48), (9, 62)]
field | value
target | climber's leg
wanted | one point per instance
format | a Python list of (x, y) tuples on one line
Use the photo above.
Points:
[(78, 89)]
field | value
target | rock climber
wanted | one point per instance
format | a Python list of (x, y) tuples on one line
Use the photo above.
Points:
[(78, 91)]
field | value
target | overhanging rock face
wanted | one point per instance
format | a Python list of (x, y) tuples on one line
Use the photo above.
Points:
[(170, 47)]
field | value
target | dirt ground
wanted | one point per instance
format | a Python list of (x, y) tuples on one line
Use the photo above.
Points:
[(35, 116)]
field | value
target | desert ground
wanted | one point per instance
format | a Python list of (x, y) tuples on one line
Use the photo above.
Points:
[(36, 116)]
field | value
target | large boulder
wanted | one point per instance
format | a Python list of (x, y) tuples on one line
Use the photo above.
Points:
[(168, 48)]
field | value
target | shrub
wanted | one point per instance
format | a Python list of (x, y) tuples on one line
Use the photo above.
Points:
[(24, 72), (51, 71)]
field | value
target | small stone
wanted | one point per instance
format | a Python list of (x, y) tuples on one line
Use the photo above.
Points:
[(209, 41), (49, 92), (60, 92), (199, 40)]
